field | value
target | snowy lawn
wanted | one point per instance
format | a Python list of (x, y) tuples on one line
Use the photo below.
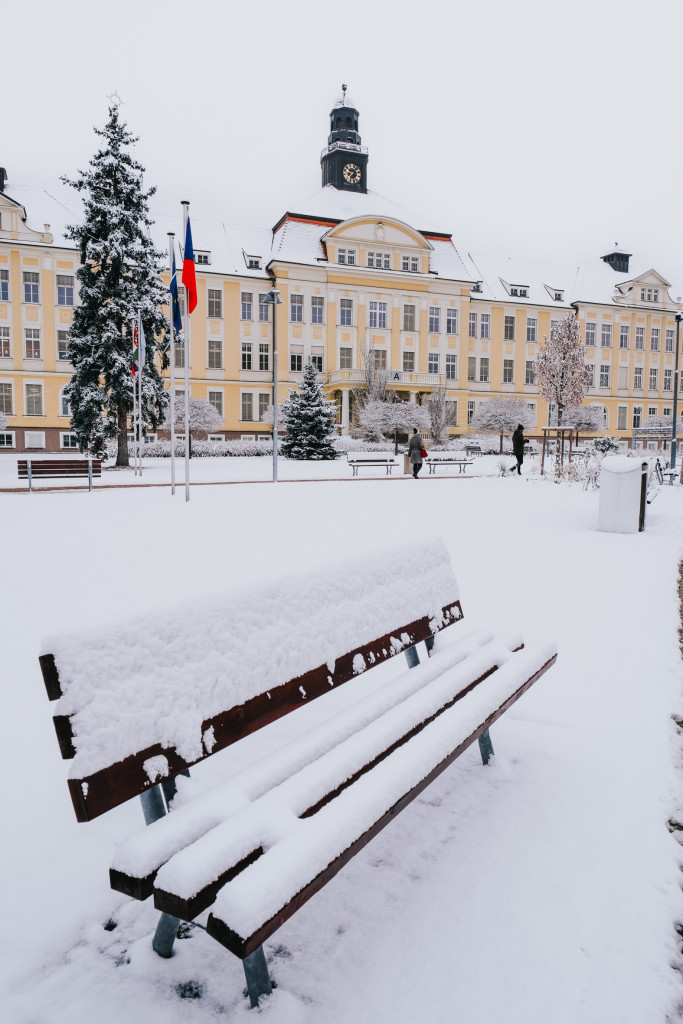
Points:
[(543, 887)]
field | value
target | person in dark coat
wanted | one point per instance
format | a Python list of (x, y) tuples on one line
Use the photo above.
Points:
[(415, 452), (518, 442)]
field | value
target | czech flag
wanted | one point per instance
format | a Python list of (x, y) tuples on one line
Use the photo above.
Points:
[(175, 301), (188, 278), (136, 353)]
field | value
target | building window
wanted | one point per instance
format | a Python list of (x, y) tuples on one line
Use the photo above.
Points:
[(472, 368), (6, 399), (317, 360), (669, 343), (622, 413), (531, 406), (253, 263), (5, 350), (32, 338), (246, 355), (529, 372), (63, 346), (483, 370), (470, 411), (317, 304), (247, 407), (434, 319), (179, 347), (409, 317), (68, 441), (623, 336), (4, 285), (414, 265), (341, 255), (623, 378), (473, 325), (216, 304), (379, 358), (65, 290), (31, 286), (485, 326), (64, 405), (379, 260), (653, 379), (640, 337), (606, 336), (405, 263), (451, 321), (654, 339), (202, 259), (508, 371), (7, 440), (347, 256), (215, 353), (296, 309), (34, 399), (668, 386), (531, 325), (264, 356), (651, 411), (264, 403), (345, 359), (604, 375), (433, 362), (215, 399), (408, 362), (378, 314), (637, 378), (263, 308), (509, 330), (590, 333), (246, 305), (345, 312), (450, 366), (552, 413), (296, 362)]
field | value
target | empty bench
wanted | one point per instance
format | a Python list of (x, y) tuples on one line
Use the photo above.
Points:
[(136, 709), (40, 469), (356, 463), (461, 463)]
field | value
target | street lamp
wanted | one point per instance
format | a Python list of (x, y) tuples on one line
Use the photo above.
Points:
[(273, 299), (679, 317)]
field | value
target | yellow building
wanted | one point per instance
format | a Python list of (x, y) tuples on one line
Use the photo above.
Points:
[(358, 279)]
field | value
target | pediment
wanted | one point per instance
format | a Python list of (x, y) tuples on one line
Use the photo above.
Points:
[(380, 231), (13, 222)]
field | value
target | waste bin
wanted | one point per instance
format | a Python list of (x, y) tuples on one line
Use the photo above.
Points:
[(407, 465), (623, 495)]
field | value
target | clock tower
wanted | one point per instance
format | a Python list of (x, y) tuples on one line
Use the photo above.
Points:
[(344, 161)]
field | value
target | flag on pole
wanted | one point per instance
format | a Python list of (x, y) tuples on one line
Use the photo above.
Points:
[(136, 353), (175, 301), (188, 278), (143, 346)]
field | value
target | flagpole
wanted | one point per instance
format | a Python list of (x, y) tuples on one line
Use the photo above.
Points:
[(171, 247), (135, 401), (186, 213), (140, 372)]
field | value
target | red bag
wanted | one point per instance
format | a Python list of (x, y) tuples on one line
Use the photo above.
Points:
[(423, 453)]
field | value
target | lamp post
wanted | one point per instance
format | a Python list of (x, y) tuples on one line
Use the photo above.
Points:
[(273, 299), (679, 317)]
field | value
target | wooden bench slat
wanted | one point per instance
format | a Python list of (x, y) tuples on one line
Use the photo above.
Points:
[(94, 794)]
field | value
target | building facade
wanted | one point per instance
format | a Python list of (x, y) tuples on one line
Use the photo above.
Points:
[(359, 279)]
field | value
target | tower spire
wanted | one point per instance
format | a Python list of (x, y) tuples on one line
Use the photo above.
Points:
[(344, 161)]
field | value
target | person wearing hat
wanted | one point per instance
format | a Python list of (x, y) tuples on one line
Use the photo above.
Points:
[(518, 442)]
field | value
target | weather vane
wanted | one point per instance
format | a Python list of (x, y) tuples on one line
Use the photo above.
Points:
[(343, 92)]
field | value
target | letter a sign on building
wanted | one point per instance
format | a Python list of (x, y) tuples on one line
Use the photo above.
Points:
[(395, 376)]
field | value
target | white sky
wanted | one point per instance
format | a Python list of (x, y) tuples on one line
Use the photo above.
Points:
[(536, 129)]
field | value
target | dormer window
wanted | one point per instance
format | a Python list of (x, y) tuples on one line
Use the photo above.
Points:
[(410, 264), (379, 260), (559, 296), (252, 262), (347, 256), (649, 294), (519, 291), (202, 257)]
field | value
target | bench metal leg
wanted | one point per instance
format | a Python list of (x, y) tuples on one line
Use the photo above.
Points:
[(256, 973), (165, 935), (153, 808), (485, 747), (429, 644), (412, 657)]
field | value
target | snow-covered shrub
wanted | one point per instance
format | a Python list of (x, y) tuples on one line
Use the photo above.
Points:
[(204, 449), (607, 445), (358, 444)]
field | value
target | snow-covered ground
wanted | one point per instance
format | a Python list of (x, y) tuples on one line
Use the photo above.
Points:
[(543, 887)]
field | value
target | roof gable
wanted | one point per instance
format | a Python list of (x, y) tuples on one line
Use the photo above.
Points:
[(379, 231)]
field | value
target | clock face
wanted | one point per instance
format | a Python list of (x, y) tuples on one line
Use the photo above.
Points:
[(351, 173)]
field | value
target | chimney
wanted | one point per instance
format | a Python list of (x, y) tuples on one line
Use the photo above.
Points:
[(3, 178), (618, 260)]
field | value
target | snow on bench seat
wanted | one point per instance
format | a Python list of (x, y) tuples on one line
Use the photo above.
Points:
[(138, 858)]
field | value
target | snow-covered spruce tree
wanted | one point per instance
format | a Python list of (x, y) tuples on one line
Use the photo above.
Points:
[(119, 276), (378, 418), (309, 419), (204, 418), (562, 373), (500, 416)]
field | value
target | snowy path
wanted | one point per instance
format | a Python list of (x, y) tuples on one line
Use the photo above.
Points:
[(544, 887)]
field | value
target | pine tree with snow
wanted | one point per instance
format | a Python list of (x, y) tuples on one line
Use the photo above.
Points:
[(309, 419), (119, 276), (562, 373)]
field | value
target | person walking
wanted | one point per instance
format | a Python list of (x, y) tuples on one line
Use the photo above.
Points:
[(518, 442), (415, 452)]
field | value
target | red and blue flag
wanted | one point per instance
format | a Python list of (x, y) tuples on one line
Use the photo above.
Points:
[(175, 300), (189, 279)]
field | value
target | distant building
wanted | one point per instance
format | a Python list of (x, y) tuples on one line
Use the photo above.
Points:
[(359, 278)]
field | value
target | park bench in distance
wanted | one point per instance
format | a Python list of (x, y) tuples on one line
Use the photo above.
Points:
[(436, 460), (40, 469), (254, 849), (355, 461)]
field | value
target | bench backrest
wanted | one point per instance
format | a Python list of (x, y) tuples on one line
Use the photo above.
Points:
[(58, 467), (143, 701)]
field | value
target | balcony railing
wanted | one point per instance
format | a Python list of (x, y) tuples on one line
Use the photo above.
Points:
[(351, 146), (395, 377)]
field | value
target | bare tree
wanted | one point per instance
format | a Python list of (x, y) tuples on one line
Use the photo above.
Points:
[(374, 385), (203, 417), (442, 414), (501, 415), (379, 418), (562, 373), (587, 419)]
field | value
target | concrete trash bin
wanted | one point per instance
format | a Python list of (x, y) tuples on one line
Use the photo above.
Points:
[(623, 495), (407, 466)]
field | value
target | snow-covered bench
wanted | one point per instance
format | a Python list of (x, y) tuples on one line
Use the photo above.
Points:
[(462, 463), (356, 461), (142, 702), (40, 469)]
